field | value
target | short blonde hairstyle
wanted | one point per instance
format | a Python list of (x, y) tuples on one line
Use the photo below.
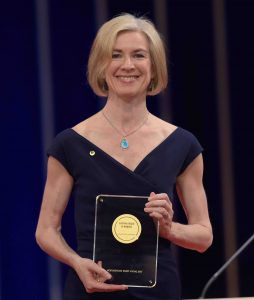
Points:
[(102, 48)]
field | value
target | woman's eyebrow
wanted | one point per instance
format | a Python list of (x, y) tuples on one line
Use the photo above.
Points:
[(140, 50), (135, 50)]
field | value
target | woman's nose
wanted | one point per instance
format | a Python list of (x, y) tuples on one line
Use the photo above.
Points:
[(127, 63)]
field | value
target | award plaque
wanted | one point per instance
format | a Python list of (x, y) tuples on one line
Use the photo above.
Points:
[(126, 240)]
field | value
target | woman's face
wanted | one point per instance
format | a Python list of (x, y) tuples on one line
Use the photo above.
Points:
[(129, 71)]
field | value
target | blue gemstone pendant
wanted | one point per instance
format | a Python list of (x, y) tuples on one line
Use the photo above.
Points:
[(124, 144)]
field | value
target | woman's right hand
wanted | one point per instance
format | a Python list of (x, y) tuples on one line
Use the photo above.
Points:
[(93, 277)]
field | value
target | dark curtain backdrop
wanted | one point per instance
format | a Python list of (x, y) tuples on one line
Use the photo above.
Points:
[(193, 97)]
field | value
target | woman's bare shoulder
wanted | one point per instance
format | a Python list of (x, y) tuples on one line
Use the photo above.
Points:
[(165, 127), (88, 125)]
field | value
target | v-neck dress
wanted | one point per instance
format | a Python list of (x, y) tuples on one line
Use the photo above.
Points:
[(96, 172)]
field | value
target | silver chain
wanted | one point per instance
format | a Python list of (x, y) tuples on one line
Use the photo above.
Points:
[(133, 131)]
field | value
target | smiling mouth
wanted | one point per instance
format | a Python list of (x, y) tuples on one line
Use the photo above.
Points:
[(127, 78)]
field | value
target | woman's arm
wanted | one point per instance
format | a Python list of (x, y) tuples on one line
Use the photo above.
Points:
[(56, 195), (48, 233), (197, 234)]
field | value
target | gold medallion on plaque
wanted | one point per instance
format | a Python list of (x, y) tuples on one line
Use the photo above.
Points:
[(126, 228)]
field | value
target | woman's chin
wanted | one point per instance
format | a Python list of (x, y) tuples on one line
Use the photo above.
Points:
[(129, 94)]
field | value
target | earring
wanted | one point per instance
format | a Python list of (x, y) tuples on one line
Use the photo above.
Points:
[(105, 85)]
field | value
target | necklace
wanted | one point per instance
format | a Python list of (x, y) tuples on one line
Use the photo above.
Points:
[(124, 144)]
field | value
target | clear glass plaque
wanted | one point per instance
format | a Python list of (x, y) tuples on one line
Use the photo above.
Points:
[(126, 240)]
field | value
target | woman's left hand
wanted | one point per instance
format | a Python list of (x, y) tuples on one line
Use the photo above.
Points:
[(159, 207)]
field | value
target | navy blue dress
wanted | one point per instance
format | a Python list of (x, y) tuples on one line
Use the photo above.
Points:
[(101, 174)]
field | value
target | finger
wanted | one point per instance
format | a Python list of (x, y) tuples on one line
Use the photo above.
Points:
[(152, 194), (113, 287), (159, 203), (99, 263), (160, 214), (160, 206), (100, 272), (104, 287), (156, 215), (97, 276), (160, 210), (158, 196)]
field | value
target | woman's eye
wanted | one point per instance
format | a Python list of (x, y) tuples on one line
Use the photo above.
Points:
[(139, 55), (116, 55)]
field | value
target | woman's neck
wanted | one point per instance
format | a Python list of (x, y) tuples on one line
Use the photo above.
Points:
[(126, 115)]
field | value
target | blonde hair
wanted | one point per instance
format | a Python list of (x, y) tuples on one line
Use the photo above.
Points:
[(102, 48)]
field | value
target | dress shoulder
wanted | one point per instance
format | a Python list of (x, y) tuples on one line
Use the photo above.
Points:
[(191, 147), (58, 149)]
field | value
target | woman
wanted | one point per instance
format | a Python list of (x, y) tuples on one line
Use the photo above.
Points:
[(124, 149)]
